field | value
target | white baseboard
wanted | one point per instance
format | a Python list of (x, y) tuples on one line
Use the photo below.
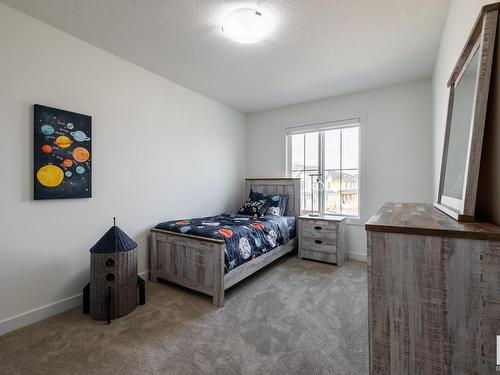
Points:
[(44, 312), (357, 256), (40, 313)]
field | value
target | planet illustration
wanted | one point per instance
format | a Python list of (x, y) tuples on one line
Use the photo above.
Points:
[(79, 136), (81, 154), (258, 226), (80, 170), (273, 211), (46, 149), (47, 129), (226, 232), (63, 141), (70, 126), (272, 237), (182, 222), (185, 229), (245, 248), (68, 163), (50, 175), (68, 174)]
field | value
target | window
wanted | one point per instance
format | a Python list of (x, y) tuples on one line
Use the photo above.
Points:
[(326, 158)]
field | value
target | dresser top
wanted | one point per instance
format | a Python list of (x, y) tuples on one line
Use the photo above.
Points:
[(424, 219), (323, 217)]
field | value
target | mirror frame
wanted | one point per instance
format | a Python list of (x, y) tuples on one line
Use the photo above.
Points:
[(482, 39)]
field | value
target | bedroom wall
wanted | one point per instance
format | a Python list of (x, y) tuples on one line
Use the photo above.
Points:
[(461, 17), (160, 152), (398, 156)]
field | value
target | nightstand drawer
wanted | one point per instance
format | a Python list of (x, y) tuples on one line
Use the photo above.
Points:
[(319, 255), (324, 236), (328, 245), (310, 227)]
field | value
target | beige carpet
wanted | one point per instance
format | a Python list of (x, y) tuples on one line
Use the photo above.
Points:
[(293, 317)]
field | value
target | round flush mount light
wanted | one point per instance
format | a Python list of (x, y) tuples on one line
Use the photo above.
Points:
[(245, 26)]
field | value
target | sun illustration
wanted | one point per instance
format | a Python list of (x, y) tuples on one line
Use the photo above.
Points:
[(50, 175)]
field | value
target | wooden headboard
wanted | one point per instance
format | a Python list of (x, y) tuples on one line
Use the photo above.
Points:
[(284, 186)]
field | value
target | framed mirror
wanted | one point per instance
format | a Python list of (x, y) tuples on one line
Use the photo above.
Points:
[(469, 86)]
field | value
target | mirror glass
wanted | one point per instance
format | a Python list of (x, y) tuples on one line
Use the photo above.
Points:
[(461, 121)]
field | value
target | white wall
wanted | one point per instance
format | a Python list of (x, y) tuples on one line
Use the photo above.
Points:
[(459, 22), (398, 143), (160, 152)]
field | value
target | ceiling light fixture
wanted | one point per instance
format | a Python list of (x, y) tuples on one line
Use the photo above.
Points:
[(245, 26)]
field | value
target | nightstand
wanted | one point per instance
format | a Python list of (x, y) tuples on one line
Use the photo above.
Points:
[(322, 238)]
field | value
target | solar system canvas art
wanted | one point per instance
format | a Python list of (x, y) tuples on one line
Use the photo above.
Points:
[(63, 154)]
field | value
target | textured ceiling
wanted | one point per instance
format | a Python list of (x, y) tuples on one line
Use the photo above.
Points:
[(319, 48)]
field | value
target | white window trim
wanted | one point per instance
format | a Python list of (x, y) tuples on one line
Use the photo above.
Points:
[(340, 122)]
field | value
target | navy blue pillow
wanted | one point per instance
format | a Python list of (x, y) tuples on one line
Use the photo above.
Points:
[(255, 208), (284, 203), (277, 205)]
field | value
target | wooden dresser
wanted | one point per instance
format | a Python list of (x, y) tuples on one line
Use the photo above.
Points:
[(322, 238), (433, 292)]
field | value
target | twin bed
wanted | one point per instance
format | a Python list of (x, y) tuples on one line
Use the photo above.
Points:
[(183, 253)]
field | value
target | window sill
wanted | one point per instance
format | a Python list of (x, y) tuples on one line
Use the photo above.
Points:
[(351, 220)]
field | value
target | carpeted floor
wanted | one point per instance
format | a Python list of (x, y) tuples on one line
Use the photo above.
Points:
[(293, 317)]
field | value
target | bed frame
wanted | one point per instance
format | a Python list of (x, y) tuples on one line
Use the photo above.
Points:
[(198, 263)]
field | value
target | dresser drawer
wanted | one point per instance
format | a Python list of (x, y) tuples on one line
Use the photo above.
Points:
[(328, 245)]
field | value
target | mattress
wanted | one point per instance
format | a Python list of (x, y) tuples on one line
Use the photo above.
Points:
[(246, 237)]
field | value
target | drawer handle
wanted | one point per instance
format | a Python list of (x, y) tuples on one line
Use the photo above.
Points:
[(318, 241), (317, 227)]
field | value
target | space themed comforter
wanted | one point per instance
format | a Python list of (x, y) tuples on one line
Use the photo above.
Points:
[(246, 237)]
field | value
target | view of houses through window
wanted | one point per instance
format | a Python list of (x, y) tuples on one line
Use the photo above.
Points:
[(327, 161)]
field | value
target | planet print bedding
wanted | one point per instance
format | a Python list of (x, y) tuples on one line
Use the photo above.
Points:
[(246, 237)]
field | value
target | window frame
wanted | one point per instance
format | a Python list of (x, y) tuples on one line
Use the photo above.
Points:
[(323, 126)]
